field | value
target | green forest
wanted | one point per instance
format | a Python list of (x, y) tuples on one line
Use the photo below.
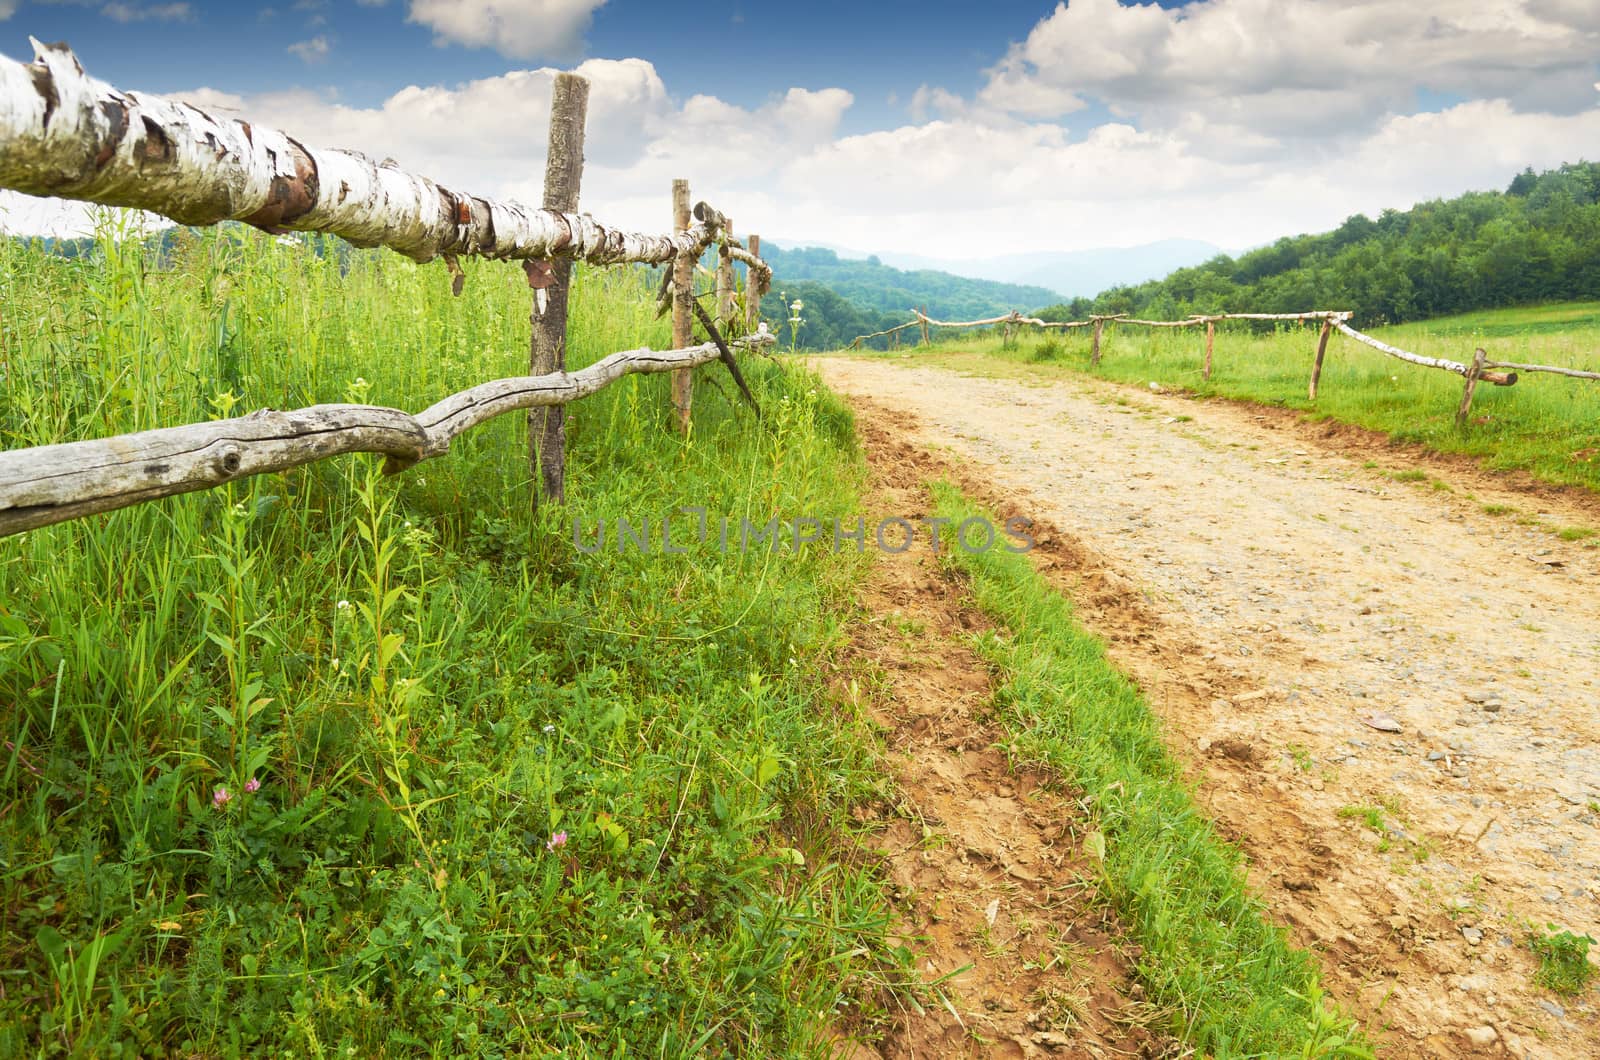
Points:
[(843, 297), (1537, 241)]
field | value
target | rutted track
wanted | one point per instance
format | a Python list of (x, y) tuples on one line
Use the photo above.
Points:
[(1271, 594)]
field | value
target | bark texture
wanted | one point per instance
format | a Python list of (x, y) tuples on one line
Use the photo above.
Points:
[(1497, 378), (1574, 373), (54, 483), (563, 175), (64, 133), (682, 309), (754, 287)]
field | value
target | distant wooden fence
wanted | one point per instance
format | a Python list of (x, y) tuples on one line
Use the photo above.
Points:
[(1479, 369), (63, 133)]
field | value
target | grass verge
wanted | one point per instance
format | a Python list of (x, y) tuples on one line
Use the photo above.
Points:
[(326, 763), (1235, 984)]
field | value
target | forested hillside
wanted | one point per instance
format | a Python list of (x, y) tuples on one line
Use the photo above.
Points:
[(1537, 241), (845, 297), (870, 284)]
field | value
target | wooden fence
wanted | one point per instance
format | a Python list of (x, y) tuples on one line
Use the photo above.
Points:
[(64, 133), (1479, 369)]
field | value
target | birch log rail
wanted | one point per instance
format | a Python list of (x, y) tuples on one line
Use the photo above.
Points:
[(54, 483), (1497, 378), (67, 134)]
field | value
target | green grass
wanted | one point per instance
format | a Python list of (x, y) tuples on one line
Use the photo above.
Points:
[(1235, 985), (426, 691), (1545, 424), (1563, 961)]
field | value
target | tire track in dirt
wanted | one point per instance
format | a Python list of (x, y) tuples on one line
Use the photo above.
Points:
[(1269, 594), (994, 895)]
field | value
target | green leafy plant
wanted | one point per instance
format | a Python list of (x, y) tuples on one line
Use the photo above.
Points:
[(1563, 960)]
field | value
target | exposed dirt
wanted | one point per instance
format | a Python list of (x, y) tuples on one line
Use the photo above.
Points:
[(996, 898), (1273, 597)]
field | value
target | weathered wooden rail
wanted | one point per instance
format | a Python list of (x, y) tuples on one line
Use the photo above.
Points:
[(1480, 369), (64, 133), (53, 483)]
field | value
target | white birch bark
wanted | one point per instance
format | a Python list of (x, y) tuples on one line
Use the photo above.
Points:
[(64, 133)]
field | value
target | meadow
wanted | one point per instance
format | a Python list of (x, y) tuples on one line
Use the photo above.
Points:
[(1547, 425), (328, 762), (332, 763)]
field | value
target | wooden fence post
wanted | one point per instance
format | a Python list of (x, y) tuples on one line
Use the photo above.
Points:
[(752, 291), (927, 339), (1474, 371), (1211, 334), (1094, 347), (682, 310), (1322, 348), (725, 279), (563, 172)]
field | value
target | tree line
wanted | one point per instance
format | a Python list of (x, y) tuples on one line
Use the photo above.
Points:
[(1537, 241)]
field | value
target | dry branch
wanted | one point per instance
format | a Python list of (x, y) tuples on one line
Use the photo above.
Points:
[(922, 318), (1318, 314), (1575, 373), (54, 483), (1191, 322), (859, 339), (760, 269), (64, 133)]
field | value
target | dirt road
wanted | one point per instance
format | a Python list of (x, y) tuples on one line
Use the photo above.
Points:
[(1282, 602)]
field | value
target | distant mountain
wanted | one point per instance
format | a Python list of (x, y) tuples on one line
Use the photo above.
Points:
[(1074, 272), (870, 284)]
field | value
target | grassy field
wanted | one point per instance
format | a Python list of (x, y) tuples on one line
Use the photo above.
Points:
[(1546, 424), (331, 763), (327, 763), (1234, 985)]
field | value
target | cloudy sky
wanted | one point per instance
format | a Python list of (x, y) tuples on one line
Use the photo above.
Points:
[(981, 127)]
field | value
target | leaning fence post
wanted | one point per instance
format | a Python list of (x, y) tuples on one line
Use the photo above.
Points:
[(725, 277), (1474, 371), (752, 290), (1322, 348), (563, 172), (1094, 347), (682, 310), (1211, 334)]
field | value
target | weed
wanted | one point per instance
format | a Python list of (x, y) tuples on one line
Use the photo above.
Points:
[(1048, 350), (1302, 756), (1563, 960)]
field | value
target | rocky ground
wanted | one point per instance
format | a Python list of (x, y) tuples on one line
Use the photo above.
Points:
[(1384, 677)]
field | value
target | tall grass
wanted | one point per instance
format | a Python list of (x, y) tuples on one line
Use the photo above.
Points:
[(326, 763), (1545, 424)]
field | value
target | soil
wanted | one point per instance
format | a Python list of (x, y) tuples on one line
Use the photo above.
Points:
[(995, 896), (1283, 598)]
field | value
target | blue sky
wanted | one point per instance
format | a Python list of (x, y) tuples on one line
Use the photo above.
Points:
[(911, 127), (880, 51)]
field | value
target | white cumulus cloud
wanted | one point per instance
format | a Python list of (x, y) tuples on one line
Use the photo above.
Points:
[(311, 51), (518, 29)]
